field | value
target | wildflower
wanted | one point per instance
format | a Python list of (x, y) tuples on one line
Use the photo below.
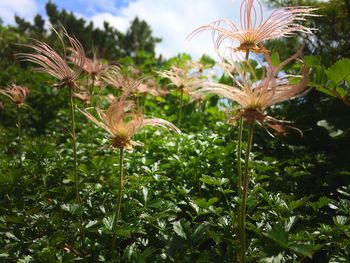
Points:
[(16, 93), (121, 120), (254, 29), (255, 96), (83, 95), (181, 80), (149, 86), (93, 67), (114, 77), (52, 63)]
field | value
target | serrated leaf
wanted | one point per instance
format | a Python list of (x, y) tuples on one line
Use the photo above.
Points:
[(203, 203), (322, 202), (303, 249), (179, 229), (311, 61), (279, 235), (198, 233), (213, 180), (128, 231), (108, 223), (339, 71)]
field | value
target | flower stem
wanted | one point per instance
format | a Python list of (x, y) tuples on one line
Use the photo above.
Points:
[(239, 156), (119, 200), (19, 133), (243, 208), (241, 226), (72, 113), (91, 90), (180, 110)]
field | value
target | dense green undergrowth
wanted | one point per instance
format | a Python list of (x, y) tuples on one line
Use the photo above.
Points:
[(180, 201)]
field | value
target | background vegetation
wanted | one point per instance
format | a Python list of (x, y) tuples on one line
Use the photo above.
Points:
[(180, 195)]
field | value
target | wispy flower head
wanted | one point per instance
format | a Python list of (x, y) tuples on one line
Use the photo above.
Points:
[(16, 93), (93, 67), (150, 86), (114, 77), (254, 96), (83, 95), (254, 29), (54, 64), (122, 120), (180, 78)]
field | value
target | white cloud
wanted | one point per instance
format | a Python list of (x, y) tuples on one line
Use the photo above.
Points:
[(23, 8), (121, 23), (173, 21)]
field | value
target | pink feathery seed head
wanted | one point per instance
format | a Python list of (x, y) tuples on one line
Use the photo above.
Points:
[(52, 63), (93, 67), (254, 29), (113, 76), (122, 120), (16, 93), (180, 78), (253, 95)]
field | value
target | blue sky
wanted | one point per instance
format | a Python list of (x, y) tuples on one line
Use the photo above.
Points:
[(171, 20)]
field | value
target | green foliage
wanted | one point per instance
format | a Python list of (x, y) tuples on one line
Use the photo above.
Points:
[(333, 81)]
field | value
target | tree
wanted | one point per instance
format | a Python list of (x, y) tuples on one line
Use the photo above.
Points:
[(108, 42), (331, 37), (139, 38)]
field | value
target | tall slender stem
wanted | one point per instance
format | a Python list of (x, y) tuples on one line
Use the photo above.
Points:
[(119, 200), (91, 90), (180, 110), (239, 140), (241, 224), (239, 156), (19, 133), (74, 139), (243, 208)]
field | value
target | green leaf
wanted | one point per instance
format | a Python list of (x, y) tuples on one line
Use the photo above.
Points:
[(198, 233), (322, 202), (312, 61), (303, 249), (281, 237), (108, 223), (15, 219), (128, 231), (203, 203), (179, 228), (275, 58), (213, 181), (339, 71)]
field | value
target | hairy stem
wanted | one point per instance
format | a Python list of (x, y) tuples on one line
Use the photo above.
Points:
[(239, 156), (241, 226), (243, 208), (119, 200), (91, 90), (74, 139), (180, 110), (19, 134)]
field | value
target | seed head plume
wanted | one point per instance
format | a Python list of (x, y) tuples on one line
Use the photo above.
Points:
[(254, 96), (122, 120), (253, 29), (93, 67), (52, 63), (181, 80), (16, 93)]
